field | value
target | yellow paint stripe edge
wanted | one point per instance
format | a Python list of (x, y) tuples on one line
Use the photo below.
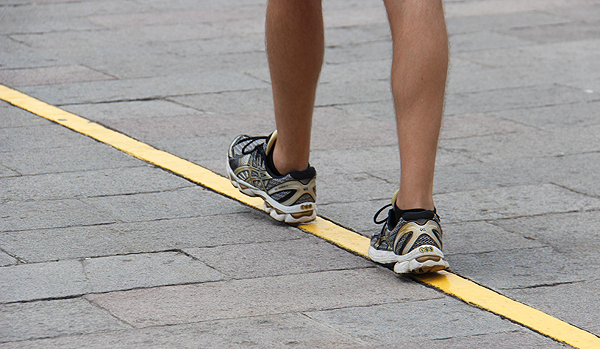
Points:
[(446, 282)]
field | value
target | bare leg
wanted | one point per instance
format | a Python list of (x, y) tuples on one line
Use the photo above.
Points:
[(295, 48), (419, 69)]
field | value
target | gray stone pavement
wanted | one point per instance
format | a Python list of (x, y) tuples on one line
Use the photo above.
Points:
[(98, 249)]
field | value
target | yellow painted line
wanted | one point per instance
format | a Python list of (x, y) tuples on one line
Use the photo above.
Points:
[(525, 315), (446, 282)]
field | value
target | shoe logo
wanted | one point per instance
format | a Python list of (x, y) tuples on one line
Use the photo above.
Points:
[(306, 207), (425, 249), (423, 229)]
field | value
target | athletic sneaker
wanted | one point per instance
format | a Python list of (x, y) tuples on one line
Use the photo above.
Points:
[(288, 198), (413, 241)]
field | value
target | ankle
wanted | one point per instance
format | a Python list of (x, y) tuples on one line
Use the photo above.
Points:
[(415, 205), (282, 165)]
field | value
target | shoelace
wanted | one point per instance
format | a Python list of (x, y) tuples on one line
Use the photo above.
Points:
[(251, 140), (379, 212)]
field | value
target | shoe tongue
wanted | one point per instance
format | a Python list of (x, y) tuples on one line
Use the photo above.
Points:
[(271, 142), (413, 216)]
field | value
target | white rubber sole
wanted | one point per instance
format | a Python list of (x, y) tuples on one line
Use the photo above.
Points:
[(383, 257), (425, 259), (301, 213), (416, 267)]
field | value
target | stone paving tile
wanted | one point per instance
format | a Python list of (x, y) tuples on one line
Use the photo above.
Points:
[(122, 181), (572, 172), (519, 20), (587, 12), (558, 33), (573, 234), (217, 46), (288, 257), (11, 116), (50, 75), (483, 40), (91, 38), (556, 142), (179, 203), (513, 98), (7, 172), (479, 237), (194, 137), (588, 83), (129, 110), (261, 72), (353, 187), (353, 35), (36, 161), (515, 339), (201, 150), (477, 176), (337, 129), (493, 79), (278, 331), (12, 23), (556, 56), (468, 178), (18, 215), (72, 9), (9, 45), (351, 16), (241, 27), (272, 331), (134, 61), (176, 127), (130, 238), (479, 8), (203, 5), (356, 72), (146, 270), (27, 57), (59, 279), (356, 160), (162, 59), (576, 172), (579, 115), (146, 88), (383, 109), (526, 200), (25, 321), (44, 136), (381, 323), (492, 269), (355, 53), (470, 125), (160, 17), (6, 259), (255, 101), (104, 274), (575, 303), (262, 296), (349, 4), (339, 93), (356, 215)]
